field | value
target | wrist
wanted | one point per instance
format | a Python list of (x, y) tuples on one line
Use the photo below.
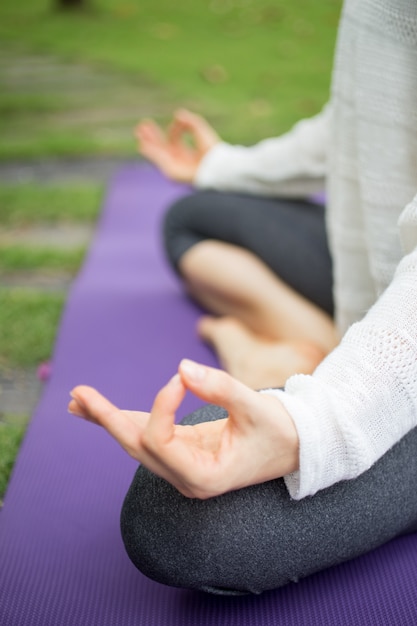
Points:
[(285, 458)]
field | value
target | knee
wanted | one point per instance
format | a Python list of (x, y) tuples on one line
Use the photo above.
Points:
[(177, 230), (155, 528), (168, 538), (173, 539)]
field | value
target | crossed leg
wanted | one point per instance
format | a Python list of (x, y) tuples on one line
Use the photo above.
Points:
[(263, 267), (257, 538)]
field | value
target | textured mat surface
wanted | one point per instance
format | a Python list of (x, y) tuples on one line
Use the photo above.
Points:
[(124, 330)]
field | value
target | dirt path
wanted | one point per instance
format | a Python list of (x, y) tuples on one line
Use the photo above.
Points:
[(62, 171)]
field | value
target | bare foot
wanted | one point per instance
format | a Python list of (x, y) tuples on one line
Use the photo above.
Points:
[(255, 361)]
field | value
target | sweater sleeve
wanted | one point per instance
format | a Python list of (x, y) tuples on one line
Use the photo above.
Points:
[(363, 397), (293, 165)]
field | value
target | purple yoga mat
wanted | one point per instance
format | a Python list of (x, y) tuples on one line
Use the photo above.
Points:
[(125, 327)]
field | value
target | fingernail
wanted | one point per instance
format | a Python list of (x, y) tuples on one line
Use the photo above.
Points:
[(193, 370), (72, 410)]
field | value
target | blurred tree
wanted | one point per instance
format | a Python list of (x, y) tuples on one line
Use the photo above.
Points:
[(71, 4)]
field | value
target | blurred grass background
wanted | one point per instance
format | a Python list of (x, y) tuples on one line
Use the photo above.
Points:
[(74, 83), (253, 67)]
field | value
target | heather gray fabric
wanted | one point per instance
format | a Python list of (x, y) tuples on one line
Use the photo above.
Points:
[(288, 235), (258, 538)]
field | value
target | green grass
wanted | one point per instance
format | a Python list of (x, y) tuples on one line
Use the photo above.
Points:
[(28, 323), (27, 204), (11, 435), (29, 319), (258, 44), (19, 257), (253, 68)]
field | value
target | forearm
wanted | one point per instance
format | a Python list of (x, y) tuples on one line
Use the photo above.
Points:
[(363, 398), (294, 164)]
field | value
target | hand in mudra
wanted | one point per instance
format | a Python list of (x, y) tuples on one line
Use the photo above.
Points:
[(255, 443), (178, 151)]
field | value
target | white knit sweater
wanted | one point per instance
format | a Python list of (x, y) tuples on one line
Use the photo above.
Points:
[(363, 397)]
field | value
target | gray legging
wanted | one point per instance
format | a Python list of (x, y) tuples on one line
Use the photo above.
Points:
[(257, 538), (288, 235)]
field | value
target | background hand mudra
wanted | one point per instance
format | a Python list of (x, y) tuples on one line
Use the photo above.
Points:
[(257, 442), (178, 151)]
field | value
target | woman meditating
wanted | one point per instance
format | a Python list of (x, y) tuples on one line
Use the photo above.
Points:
[(260, 488)]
